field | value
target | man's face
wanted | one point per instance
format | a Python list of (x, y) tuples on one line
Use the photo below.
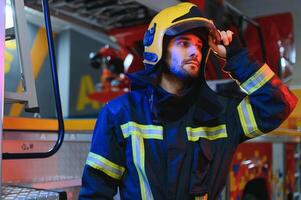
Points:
[(184, 54)]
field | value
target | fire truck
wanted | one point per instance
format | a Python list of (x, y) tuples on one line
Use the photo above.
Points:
[(47, 129)]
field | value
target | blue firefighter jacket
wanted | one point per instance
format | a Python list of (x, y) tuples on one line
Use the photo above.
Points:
[(155, 145)]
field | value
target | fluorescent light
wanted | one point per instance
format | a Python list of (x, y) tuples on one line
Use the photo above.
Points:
[(9, 21)]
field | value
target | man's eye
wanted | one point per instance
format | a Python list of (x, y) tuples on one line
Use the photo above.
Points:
[(183, 43), (199, 46)]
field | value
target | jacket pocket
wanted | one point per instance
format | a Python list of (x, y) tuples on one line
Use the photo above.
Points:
[(204, 139), (203, 155)]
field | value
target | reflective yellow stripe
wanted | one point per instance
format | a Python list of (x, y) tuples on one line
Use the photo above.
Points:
[(210, 133), (263, 75), (145, 131), (247, 118), (204, 197), (139, 160), (111, 169), (138, 133)]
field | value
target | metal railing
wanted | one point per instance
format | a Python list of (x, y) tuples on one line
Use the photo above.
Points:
[(60, 120), (243, 18)]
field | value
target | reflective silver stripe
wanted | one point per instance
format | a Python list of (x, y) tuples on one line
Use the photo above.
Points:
[(204, 197), (139, 160), (138, 133), (247, 118), (210, 133), (263, 75), (111, 169), (146, 131)]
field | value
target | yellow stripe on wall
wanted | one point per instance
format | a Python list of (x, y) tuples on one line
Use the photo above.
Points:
[(39, 51), (43, 124)]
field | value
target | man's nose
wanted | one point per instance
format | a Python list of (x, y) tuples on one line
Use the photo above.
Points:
[(194, 51)]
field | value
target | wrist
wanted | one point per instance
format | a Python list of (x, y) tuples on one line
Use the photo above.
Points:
[(233, 48)]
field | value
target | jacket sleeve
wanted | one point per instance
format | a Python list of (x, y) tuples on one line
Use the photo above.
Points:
[(268, 102), (105, 162)]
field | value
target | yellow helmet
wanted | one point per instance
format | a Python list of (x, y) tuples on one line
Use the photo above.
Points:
[(172, 21)]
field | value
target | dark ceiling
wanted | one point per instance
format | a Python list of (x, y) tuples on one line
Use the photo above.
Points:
[(99, 15)]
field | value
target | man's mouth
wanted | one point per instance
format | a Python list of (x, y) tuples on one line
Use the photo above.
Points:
[(192, 62)]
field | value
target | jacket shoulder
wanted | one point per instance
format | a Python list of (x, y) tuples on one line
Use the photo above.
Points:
[(126, 101)]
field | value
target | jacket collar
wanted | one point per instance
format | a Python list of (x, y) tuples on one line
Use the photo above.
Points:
[(208, 102), (205, 99), (142, 79)]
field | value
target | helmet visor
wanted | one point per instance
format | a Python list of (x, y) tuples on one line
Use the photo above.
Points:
[(189, 25)]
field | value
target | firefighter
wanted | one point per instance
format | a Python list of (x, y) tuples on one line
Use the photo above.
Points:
[(172, 137)]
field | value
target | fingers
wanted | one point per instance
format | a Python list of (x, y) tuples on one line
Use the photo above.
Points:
[(215, 36), (226, 37), (218, 42), (216, 47)]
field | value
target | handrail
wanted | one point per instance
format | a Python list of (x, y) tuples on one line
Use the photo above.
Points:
[(252, 22), (61, 130)]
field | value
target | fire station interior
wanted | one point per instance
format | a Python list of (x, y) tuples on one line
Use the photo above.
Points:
[(62, 60)]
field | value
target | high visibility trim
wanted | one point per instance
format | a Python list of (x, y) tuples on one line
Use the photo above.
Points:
[(247, 118), (204, 197), (210, 133), (138, 133), (100, 163), (139, 160), (144, 131), (263, 75)]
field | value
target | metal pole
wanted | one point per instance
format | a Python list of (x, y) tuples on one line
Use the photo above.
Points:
[(2, 71)]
